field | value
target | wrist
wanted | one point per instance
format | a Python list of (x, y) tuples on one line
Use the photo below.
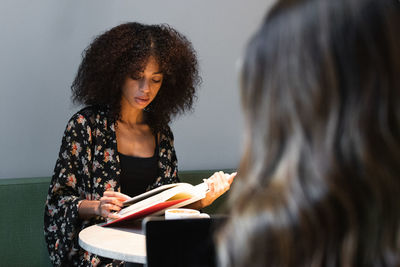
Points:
[(205, 202), (96, 208), (88, 209)]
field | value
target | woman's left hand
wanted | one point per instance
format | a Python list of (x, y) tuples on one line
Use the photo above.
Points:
[(218, 184)]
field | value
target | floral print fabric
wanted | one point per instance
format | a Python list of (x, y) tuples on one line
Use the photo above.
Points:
[(88, 164)]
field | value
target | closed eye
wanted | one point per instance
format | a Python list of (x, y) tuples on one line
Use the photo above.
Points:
[(136, 77)]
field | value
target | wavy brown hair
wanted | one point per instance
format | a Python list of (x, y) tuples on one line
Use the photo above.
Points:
[(124, 50), (319, 182)]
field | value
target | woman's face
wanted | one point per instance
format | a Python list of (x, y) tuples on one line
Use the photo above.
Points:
[(139, 91)]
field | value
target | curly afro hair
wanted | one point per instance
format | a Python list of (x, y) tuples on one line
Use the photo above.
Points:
[(124, 50)]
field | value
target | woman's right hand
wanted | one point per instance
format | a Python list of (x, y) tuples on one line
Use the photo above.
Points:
[(110, 203), (107, 206)]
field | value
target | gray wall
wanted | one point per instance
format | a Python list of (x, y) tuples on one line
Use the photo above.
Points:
[(40, 50)]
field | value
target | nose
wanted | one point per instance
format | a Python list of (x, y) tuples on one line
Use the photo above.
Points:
[(144, 85)]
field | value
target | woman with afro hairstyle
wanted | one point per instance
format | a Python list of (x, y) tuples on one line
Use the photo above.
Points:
[(319, 182), (133, 79)]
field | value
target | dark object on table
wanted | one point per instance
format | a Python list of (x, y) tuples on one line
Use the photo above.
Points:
[(182, 242)]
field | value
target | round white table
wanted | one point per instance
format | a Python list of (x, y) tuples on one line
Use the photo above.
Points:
[(125, 244)]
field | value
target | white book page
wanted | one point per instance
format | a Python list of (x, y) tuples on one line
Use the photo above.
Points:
[(149, 193), (161, 197), (199, 191)]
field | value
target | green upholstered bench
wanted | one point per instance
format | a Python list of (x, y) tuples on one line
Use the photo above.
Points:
[(21, 224)]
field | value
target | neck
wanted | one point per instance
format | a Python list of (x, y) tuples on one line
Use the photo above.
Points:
[(131, 116)]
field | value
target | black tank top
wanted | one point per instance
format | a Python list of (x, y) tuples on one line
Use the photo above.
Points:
[(137, 173)]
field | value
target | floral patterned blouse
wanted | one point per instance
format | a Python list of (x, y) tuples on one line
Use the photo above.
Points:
[(88, 164)]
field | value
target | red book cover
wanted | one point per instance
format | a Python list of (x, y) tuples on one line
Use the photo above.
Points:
[(144, 212)]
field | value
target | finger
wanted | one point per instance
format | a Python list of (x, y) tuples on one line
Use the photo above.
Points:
[(104, 213), (111, 200), (211, 185), (231, 177), (118, 195), (109, 193), (222, 185), (215, 174), (220, 175), (113, 215), (123, 197), (109, 207), (221, 179)]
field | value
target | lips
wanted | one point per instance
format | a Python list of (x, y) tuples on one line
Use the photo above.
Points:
[(142, 100)]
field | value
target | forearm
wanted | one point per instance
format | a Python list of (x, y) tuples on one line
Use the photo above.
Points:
[(88, 209)]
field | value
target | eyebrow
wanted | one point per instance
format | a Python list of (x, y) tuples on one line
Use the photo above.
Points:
[(158, 72)]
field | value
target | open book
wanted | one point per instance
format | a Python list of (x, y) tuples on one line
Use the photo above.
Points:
[(159, 199)]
